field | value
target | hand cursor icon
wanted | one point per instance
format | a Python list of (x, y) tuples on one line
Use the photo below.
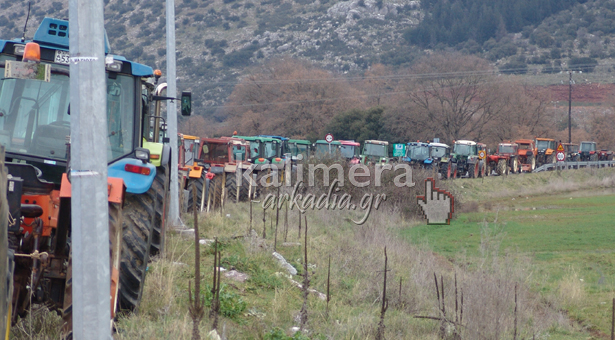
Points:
[(437, 204)]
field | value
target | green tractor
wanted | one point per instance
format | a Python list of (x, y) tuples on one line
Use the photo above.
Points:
[(35, 131), (465, 160), (375, 152), (298, 147)]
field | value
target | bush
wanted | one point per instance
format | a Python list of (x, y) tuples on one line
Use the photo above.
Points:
[(231, 304), (584, 64), (514, 67)]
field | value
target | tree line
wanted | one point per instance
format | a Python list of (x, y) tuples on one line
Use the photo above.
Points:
[(447, 96), (453, 22)]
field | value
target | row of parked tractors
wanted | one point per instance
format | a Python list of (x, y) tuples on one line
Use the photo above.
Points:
[(211, 164), (472, 159)]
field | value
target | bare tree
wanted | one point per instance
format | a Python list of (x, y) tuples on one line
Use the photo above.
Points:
[(452, 95), (289, 97)]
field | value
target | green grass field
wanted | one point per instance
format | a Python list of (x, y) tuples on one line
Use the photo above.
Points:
[(566, 236)]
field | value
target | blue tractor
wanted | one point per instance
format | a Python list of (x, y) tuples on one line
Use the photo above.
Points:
[(35, 132)]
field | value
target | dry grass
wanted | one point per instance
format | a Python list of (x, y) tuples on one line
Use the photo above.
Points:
[(571, 289)]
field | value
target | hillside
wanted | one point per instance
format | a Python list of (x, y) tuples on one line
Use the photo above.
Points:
[(218, 40)]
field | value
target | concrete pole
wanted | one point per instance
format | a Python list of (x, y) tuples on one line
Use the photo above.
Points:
[(570, 107), (172, 114), (90, 219)]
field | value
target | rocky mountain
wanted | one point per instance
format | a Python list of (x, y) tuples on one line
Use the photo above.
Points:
[(219, 40)]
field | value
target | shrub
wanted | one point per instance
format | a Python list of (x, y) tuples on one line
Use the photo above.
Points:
[(231, 304), (584, 64)]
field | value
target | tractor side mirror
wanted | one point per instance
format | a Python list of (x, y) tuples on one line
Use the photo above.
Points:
[(186, 103)]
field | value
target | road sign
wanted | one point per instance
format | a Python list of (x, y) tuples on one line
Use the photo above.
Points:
[(329, 138), (561, 155), (482, 154), (399, 150)]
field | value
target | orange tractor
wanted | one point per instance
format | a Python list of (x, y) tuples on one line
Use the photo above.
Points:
[(527, 154), (545, 151), (189, 169)]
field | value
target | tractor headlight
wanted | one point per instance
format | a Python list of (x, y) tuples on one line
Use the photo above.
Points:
[(142, 154)]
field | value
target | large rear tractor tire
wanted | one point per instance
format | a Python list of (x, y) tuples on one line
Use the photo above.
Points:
[(115, 248), (532, 161), (502, 167), (199, 182), (551, 158), (136, 231), (231, 188), (474, 172), (161, 181)]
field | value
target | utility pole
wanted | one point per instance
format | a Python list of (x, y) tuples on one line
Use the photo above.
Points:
[(570, 107), (172, 114), (89, 207)]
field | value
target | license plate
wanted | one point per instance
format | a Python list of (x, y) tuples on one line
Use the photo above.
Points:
[(62, 57)]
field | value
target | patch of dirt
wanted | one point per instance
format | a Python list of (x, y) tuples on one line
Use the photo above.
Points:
[(594, 93)]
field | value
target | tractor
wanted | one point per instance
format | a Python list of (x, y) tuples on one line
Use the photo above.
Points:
[(505, 160), (7, 261), (418, 155), (465, 159), (572, 152), (35, 132), (587, 152), (298, 147), (189, 170), (605, 155), (224, 158), (350, 151), (526, 154), (545, 151), (375, 152), (439, 152), (324, 150)]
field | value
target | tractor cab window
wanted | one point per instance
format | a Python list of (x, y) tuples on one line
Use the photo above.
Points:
[(239, 152), (348, 151), (120, 116), (506, 149), (302, 149), (588, 147), (214, 152), (34, 116), (375, 150), (542, 144), (524, 147), (418, 152), (438, 151), (465, 149), (190, 149), (271, 149), (254, 149)]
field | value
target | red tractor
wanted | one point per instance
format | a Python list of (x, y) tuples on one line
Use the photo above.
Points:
[(526, 153), (505, 160), (225, 157), (605, 155)]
